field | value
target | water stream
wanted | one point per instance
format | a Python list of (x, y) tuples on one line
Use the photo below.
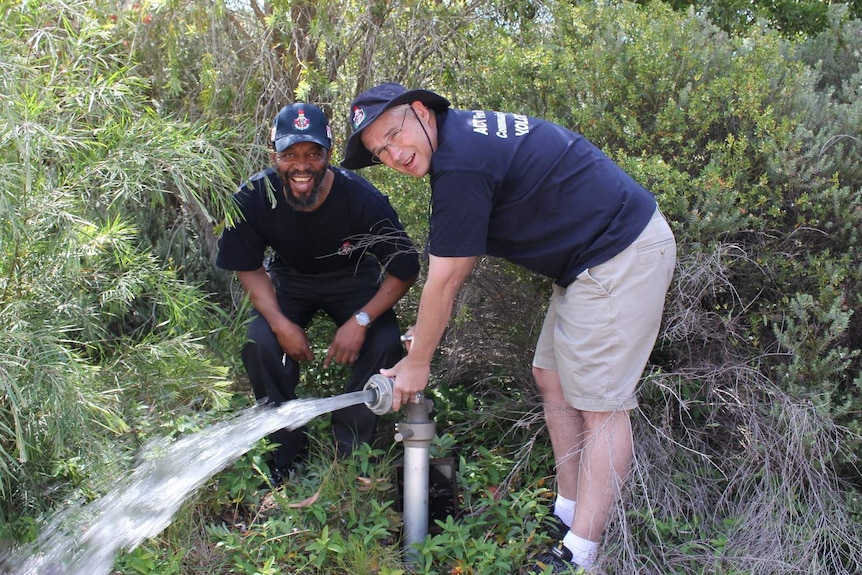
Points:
[(85, 540)]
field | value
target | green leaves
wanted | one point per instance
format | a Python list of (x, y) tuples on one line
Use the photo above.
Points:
[(124, 131), (91, 322)]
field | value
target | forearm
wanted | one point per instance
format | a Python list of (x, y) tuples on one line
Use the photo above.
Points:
[(261, 293), (431, 322), (446, 276), (391, 290)]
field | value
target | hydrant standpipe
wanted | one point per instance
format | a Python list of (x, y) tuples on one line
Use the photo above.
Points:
[(416, 432)]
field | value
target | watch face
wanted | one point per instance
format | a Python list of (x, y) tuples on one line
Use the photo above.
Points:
[(363, 319)]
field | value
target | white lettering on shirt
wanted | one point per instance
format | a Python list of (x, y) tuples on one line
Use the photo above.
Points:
[(480, 124), (522, 125), (502, 130)]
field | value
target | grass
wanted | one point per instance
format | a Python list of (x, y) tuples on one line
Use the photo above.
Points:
[(704, 498), (341, 517)]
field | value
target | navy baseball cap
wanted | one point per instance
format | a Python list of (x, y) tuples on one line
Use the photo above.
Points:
[(300, 122), (369, 105)]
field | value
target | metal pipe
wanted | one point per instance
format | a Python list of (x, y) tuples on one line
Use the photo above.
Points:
[(416, 433)]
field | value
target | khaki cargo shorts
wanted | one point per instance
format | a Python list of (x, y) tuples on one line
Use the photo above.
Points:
[(600, 330)]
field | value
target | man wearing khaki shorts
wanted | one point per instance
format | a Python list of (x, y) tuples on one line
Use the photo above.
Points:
[(596, 339), (545, 198)]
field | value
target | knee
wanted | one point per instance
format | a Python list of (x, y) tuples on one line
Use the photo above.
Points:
[(547, 381), (259, 333), (605, 420), (261, 340)]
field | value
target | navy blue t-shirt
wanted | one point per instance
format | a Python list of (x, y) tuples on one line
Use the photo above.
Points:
[(355, 220), (529, 191)]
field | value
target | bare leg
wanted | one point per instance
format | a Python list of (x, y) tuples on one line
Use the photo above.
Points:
[(606, 457), (565, 426)]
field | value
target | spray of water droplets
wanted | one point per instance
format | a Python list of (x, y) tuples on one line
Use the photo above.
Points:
[(85, 539)]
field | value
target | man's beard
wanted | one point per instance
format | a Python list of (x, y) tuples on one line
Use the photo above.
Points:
[(306, 202)]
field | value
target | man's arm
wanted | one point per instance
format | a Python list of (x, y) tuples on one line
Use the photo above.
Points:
[(261, 292), (349, 338), (445, 278)]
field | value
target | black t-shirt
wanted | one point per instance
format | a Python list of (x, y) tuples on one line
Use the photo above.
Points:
[(531, 192), (354, 221)]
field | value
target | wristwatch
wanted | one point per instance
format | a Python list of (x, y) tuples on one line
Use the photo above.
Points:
[(362, 319)]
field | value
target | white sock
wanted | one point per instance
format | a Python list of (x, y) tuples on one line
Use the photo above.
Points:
[(583, 550), (565, 509)]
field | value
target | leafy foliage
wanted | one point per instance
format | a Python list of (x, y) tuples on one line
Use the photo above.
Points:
[(122, 133), (93, 326), (790, 17)]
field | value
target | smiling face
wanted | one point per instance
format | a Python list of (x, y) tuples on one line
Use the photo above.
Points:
[(303, 168), (404, 138)]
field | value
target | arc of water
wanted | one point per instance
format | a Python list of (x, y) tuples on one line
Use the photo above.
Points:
[(84, 540)]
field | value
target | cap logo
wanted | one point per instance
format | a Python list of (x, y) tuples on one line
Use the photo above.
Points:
[(358, 117), (272, 134), (301, 123)]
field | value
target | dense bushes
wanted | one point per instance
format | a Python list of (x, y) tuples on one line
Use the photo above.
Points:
[(754, 156), (98, 335), (748, 430), (754, 160)]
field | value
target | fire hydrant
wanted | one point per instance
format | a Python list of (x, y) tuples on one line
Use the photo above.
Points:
[(416, 432)]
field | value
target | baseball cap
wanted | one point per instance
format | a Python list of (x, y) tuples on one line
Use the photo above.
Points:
[(300, 122), (369, 105)]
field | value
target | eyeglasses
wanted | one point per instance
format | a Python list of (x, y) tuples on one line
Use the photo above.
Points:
[(391, 140)]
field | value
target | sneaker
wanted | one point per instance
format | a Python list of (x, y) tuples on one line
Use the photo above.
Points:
[(278, 476), (557, 560), (553, 527)]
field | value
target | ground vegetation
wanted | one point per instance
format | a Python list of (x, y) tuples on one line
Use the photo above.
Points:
[(126, 126)]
